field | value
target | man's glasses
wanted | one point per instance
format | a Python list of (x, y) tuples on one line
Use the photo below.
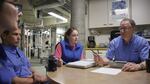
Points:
[(18, 6), (124, 29)]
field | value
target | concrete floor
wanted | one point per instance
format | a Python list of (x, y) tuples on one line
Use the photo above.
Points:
[(38, 66)]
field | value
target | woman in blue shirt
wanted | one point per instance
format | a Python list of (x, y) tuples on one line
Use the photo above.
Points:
[(69, 49)]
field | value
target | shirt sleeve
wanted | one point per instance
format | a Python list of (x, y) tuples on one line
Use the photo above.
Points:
[(58, 51), (28, 63), (110, 54), (6, 75), (82, 55), (25, 58), (144, 50)]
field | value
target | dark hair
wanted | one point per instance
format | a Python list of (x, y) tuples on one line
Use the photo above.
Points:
[(132, 22), (1, 4), (69, 31)]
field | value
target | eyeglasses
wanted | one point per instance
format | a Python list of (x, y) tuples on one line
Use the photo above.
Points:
[(18, 6), (124, 29)]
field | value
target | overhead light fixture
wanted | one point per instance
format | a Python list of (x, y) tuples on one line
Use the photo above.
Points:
[(57, 16)]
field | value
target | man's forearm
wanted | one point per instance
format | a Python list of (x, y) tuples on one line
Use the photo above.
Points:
[(18, 80)]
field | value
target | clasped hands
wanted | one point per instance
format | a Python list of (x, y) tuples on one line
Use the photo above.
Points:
[(43, 79), (39, 77)]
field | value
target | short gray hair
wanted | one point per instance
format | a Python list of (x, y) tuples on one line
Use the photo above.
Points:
[(131, 21)]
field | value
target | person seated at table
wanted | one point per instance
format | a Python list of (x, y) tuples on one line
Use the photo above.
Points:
[(69, 49), (14, 65), (127, 47)]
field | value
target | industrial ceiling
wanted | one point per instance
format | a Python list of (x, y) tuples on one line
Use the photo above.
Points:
[(35, 12)]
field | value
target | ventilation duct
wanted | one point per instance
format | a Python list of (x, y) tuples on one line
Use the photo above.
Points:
[(35, 22), (43, 4)]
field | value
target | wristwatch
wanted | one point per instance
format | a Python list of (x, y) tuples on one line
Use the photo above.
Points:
[(142, 66)]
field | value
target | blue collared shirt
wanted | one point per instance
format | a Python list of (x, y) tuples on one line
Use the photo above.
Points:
[(16, 64), (135, 51)]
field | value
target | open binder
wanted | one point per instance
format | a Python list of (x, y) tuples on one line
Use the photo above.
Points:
[(87, 63)]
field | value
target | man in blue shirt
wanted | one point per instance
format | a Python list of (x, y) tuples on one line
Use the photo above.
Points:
[(127, 47), (14, 66)]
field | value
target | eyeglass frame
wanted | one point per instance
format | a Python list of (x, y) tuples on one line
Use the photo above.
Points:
[(124, 29)]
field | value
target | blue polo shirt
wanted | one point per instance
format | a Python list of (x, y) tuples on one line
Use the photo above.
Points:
[(13, 63), (135, 51)]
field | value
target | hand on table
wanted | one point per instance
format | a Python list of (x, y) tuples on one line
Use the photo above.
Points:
[(59, 62), (131, 67)]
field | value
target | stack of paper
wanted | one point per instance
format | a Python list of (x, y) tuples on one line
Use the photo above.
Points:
[(110, 71)]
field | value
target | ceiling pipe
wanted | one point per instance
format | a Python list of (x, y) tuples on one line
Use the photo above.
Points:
[(44, 4)]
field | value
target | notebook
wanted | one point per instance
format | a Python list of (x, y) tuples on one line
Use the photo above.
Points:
[(87, 63)]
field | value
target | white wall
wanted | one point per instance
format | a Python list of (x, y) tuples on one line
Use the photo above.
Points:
[(102, 39)]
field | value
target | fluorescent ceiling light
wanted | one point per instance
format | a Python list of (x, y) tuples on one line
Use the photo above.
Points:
[(57, 16)]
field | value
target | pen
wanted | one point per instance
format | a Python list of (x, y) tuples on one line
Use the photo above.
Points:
[(64, 62), (94, 52)]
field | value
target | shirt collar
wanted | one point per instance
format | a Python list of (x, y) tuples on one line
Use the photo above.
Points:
[(131, 40), (10, 48), (68, 45)]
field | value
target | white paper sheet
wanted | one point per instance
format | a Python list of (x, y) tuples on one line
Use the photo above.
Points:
[(110, 71)]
